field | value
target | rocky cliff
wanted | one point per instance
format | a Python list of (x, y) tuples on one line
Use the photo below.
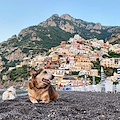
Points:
[(115, 37), (85, 29)]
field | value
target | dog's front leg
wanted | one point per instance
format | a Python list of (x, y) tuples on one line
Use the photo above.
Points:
[(33, 100), (45, 99)]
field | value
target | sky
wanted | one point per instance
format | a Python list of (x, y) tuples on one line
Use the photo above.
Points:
[(16, 15)]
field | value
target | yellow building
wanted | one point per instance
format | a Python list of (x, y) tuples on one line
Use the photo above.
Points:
[(94, 72), (76, 68), (84, 63)]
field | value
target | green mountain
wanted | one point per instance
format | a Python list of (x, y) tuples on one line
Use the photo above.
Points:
[(50, 33), (37, 39), (85, 29), (40, 38)]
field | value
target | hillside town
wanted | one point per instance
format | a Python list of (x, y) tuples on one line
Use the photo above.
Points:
[(74, 59)]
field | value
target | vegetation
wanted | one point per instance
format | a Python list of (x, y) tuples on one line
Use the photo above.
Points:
[(75, 73), (116, 42), (97, 79), (9, 64), (93, 48), (109, 71), (113, 54), (4, 59), (4, 44), (56, 36), (106, 56), (96, 65), (49, 37), (116, 82), (48, 53), (21, 72), (115, 34), (85, 33), (25, 50)]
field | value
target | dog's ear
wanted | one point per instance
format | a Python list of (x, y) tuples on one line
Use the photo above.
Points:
[(9, 91), (14, 87), (39, 71), (32, 72)]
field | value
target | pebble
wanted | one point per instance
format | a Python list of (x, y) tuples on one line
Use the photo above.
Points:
[(71, 105)]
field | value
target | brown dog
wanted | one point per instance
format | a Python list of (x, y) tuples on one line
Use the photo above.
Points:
[(39, 87)]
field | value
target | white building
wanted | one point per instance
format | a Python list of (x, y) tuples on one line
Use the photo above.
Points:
[(70, 40), (77, 37), (64, 66)]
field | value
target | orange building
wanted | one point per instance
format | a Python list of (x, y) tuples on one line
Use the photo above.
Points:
[(62, 42)]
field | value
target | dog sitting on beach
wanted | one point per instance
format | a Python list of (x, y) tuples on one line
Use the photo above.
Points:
[(9, 94), (39, 87)]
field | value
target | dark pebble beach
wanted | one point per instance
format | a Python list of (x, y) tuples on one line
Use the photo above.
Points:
[(70, 106)]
